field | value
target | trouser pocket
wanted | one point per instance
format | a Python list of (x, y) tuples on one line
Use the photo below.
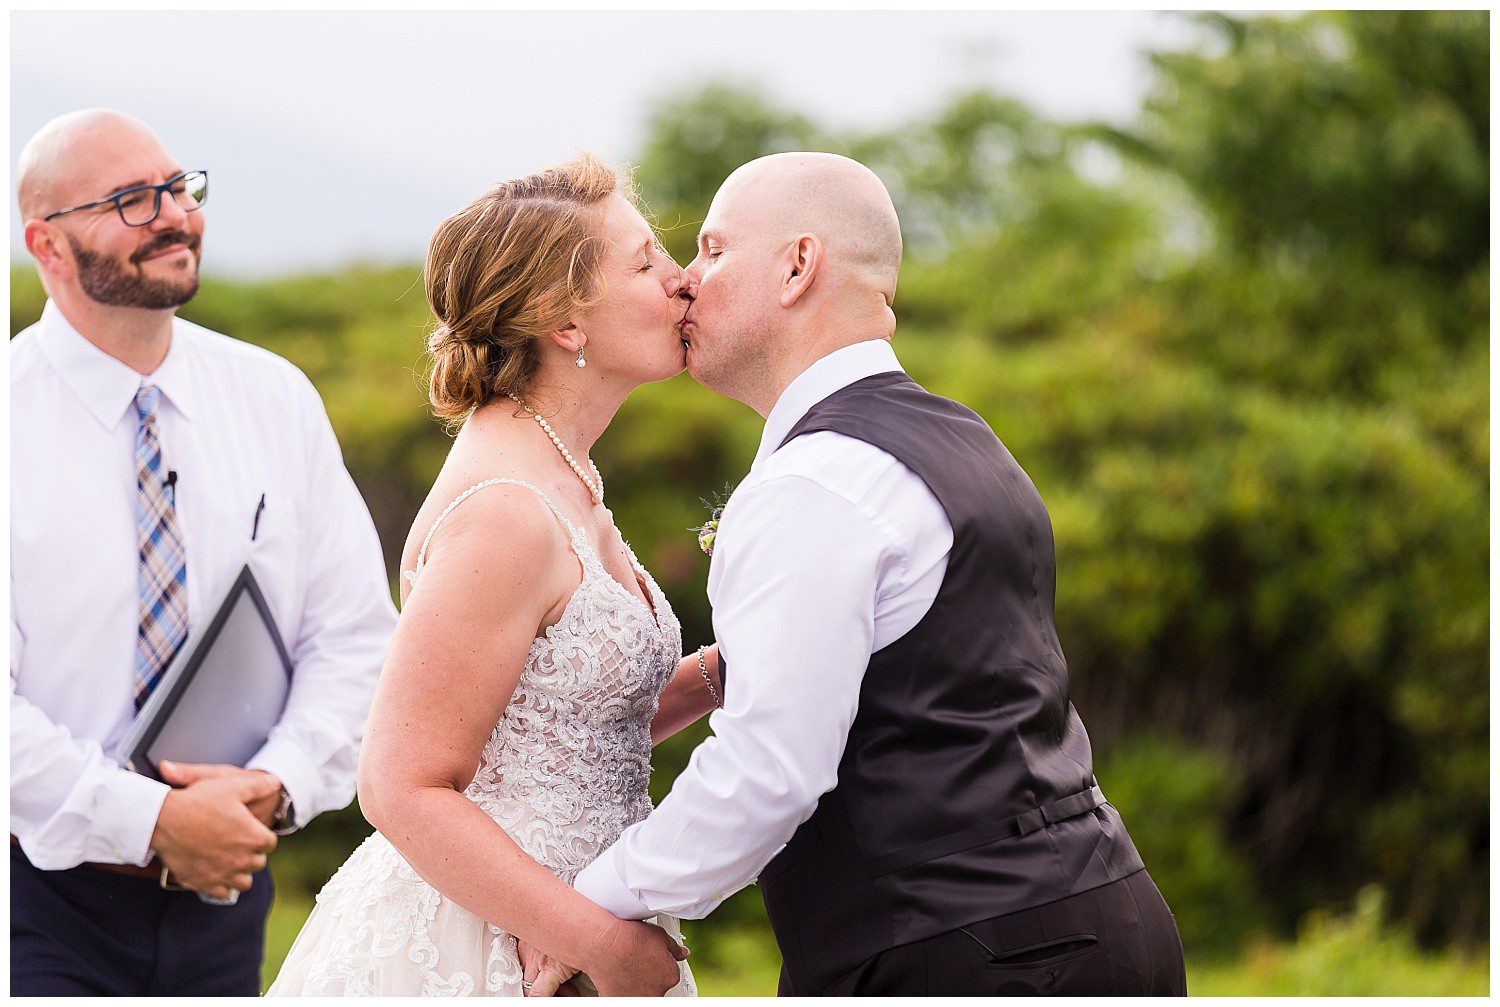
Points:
[(1054, 951)]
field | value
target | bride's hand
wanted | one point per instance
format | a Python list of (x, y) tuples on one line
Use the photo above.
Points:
[(547, 976)]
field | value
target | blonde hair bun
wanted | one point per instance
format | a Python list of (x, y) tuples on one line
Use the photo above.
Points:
[(516, 263)]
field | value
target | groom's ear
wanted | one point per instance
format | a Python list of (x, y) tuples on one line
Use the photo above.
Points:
[(804, 257), (570, 337)]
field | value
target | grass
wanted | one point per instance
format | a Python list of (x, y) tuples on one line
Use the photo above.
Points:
[(1358, 954)]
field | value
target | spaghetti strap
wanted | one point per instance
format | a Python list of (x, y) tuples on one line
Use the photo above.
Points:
[(422, 553)]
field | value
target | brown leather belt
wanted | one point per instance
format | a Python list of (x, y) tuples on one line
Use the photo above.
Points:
[(151, 872)]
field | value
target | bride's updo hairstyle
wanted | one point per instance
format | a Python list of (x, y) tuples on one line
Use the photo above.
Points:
[(513, 265)]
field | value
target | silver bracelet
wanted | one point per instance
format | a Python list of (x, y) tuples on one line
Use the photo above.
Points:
[(703, 670)]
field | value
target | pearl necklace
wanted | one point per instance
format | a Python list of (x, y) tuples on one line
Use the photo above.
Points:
[(595, 483)]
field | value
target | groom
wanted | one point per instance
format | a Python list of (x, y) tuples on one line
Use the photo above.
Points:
[(898, 762)]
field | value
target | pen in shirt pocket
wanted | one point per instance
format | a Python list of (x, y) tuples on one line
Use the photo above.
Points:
[(255, 528)]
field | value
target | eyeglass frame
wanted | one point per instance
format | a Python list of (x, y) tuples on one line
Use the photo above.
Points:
[(116, 197)]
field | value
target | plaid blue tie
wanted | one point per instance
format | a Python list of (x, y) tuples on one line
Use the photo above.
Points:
[(161, 573)]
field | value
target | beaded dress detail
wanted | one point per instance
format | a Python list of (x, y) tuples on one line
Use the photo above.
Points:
[(564, 773)]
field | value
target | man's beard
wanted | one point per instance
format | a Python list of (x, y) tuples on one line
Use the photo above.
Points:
[(114, 283)]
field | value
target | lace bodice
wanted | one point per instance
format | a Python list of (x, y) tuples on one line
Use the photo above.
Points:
[(564, 773), (567, 767)]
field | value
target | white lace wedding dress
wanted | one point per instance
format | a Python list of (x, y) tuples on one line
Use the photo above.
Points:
[(564, 773)]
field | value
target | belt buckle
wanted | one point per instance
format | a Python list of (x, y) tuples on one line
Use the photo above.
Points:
[(204, 897), (166, 882)]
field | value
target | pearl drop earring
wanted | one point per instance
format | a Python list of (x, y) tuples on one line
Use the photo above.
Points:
[(580, 357)]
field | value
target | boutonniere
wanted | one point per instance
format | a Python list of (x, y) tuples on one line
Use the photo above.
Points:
[(709, 530)]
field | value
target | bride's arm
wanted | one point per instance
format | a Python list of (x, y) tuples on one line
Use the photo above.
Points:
[(454, 661), (687, 696)]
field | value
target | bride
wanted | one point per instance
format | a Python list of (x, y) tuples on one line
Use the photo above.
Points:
[(536, 661)]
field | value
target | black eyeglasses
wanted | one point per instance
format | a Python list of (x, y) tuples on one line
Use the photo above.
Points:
[(139, 205)]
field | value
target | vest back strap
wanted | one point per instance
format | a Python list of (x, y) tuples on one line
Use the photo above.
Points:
[(1021, 825)]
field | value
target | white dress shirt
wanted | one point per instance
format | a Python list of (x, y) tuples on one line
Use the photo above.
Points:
[(828, 551), (236, 422)]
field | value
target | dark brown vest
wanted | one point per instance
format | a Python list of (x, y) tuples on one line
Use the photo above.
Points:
[(966, 789)]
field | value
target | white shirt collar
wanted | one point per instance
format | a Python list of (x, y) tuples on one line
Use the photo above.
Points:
[(106, 386), (827, 375)]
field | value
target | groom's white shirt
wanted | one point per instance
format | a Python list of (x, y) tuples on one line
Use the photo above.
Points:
[(829, 550)]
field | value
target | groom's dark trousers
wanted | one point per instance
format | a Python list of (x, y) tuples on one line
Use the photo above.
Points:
[(87, 931), (1116, 940)]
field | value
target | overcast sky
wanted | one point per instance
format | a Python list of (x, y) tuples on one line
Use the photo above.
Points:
[(336, 137)]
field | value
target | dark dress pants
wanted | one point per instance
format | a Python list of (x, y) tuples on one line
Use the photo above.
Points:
[(1119, 939), (86, 931)]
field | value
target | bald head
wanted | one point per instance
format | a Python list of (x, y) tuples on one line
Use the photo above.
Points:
[(69, 159), (834, 197)]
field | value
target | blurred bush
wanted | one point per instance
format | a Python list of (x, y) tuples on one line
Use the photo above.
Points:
[(1354, 954), (1242, 347), (1174, 802)]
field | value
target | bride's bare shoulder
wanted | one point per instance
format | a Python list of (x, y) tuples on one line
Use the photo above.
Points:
[(499, 555), (482, 452), (497, 517)]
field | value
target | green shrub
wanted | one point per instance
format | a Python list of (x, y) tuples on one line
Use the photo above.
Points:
[(1358, 954), (1173, 801)]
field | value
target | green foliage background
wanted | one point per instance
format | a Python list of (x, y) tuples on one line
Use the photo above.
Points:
[(1241, 345)]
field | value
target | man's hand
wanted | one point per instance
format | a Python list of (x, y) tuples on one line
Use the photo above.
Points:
[(185, 774), (206, 833), (547, 976), (630, 958)]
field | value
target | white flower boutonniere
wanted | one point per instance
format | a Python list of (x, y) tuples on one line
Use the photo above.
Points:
[(709, 529)]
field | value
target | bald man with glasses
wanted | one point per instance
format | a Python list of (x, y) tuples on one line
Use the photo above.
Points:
[(150, 460)]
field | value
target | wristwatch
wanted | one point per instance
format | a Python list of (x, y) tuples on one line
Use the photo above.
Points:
[(281, 822)]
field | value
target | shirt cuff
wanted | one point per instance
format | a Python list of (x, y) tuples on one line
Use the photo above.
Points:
[(286, 762), (600, 883), (130, 812)]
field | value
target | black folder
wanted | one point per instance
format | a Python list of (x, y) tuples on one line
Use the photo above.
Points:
[(222, 694)]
